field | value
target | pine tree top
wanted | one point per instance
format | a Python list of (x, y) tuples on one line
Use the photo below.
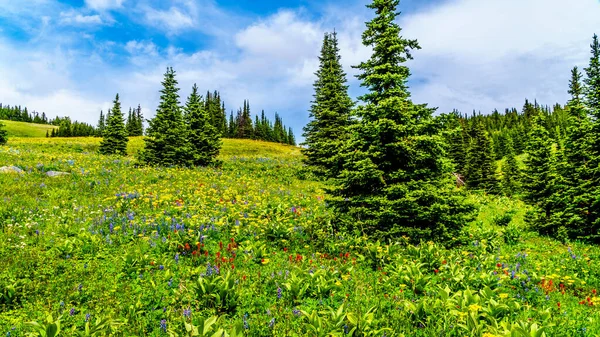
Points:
[(384, 74)]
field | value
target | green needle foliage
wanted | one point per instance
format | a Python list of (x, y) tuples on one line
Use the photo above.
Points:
[(511, 175), (329, 113), (114, 136), (3, 135), (166, 144), (480, 170), (539, 172), (202, 135), (395, 180)]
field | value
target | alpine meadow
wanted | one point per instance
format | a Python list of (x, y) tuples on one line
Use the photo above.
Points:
[(385, 217)]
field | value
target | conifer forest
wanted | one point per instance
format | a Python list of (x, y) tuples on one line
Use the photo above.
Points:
[(388, 217)]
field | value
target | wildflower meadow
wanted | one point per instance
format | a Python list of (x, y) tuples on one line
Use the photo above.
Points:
[(247, 250)]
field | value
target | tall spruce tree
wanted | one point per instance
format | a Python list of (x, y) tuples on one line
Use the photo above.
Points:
[(511, 174), (166, 142), (395, 179), (114, 137), (574, 191), (330, 112), (480, 169), (101, 124), (202, 135), (139, 121), (538, 174), (457, 140), (4, 134), (130, 125)]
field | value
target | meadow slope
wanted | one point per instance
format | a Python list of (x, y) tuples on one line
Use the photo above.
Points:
[(246, 250), (22, 129)]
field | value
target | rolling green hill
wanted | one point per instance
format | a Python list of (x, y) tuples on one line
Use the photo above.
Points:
[(22, 129)]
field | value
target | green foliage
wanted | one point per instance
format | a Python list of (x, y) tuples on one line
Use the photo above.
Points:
[(3, 134), (395, 179), (539, 173), (114, 136), (203, 137), (511, 174), (166, 143), (329, 113), (480, 170)]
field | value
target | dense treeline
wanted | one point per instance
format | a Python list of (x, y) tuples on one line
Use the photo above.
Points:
[(18, 114), (66, 127), (561, 153)]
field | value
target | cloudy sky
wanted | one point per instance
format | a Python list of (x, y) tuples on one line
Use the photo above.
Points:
[(70, 57)]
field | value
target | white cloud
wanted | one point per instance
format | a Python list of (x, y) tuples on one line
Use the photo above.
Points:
[(493, 54), (73, 17), (172, 20), (476, 55), (145, 47), (104, 4)]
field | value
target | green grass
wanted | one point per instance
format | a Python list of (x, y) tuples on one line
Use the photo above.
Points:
[(136, 246), (22, 129)]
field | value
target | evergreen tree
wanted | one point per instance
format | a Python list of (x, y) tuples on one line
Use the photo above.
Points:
[(202, 135), (291, 137), (232, 133), (167, 144), (395, 179), (538, 174), (139, 122), (47, 134), (511, 174), (480, 170), (114, 137), (101, 123), (330, 112), (130, 126), (575, 197), (3, 135), (457, 140)]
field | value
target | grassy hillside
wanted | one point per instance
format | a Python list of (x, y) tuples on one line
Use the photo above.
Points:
[(248, 248), (21, 129)]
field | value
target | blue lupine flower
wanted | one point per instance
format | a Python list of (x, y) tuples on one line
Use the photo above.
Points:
[(163, 325), (278, 293), (161, 267), (272, 322), (246, 325), (296, 312), (187, 313), (87, 317), (177, 258), (72, 312)]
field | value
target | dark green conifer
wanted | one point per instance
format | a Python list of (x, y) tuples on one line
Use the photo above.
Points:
[(166, 142), (4, 134), (480, 170), (395, 180), (511, 174), (203, 137), (539, 164), (330, 112), (114, 137), (101, 124)]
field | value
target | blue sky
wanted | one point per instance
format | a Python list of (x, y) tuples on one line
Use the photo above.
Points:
[(70, 57)]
